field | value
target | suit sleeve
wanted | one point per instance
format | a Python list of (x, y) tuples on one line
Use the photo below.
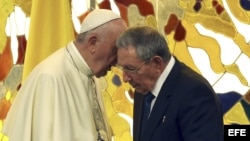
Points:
[(200, 116)]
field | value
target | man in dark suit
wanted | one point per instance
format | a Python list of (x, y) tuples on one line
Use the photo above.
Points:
[(184, 106)]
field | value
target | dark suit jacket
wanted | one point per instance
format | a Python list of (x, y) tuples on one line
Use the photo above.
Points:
[(187, 109)]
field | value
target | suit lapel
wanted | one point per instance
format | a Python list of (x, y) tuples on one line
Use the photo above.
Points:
[(161, 105), (157, 114)]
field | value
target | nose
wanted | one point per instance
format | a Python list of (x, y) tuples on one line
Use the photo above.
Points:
[(126, 77)]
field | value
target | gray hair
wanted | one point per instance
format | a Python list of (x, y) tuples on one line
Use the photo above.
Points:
[(81, 37), (147, 42)]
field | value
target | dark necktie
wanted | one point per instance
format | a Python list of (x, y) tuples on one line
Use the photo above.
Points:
[(147, 105)]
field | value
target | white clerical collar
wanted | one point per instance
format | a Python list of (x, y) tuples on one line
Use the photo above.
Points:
[(163, 77)]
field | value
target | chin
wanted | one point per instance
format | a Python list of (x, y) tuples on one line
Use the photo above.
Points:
[(141, 91), (102, 74)]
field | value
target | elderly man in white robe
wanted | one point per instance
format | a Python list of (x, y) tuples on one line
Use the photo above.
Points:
[(57, 101)]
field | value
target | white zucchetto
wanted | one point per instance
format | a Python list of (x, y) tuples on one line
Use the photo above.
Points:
[(96, 18)]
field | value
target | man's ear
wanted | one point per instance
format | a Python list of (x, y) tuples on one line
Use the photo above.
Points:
[(157, 61), (92, 43), (158, 64)]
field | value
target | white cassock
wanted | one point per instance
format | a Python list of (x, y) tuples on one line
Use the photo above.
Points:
[(53, 103)]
